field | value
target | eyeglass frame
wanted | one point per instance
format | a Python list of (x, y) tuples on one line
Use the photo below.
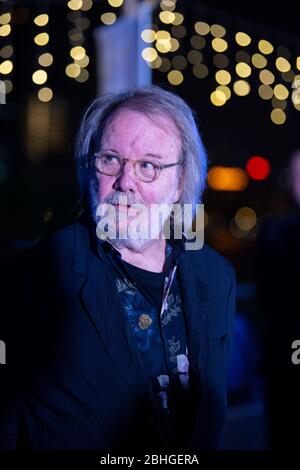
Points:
[(158, 166)]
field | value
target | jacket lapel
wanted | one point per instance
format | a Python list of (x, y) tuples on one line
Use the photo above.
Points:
[(196, 310), (103, 306)]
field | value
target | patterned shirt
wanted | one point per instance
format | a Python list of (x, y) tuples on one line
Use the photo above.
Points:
[(158, 326)]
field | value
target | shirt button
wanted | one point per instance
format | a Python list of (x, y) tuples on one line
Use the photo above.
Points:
[(144, 321)]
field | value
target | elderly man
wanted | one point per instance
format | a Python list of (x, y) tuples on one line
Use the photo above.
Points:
[(129, 342)]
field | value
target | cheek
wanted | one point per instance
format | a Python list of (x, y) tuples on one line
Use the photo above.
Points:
[(163, 190), (105, 185)]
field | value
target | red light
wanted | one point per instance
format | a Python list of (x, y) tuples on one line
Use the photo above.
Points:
[(258, 168)]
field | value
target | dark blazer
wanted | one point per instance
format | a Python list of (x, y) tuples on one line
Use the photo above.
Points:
[(72, 380)]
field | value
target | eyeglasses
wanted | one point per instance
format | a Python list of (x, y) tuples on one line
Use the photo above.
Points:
[(145, 170)]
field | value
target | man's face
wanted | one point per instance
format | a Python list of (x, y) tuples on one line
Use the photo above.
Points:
[(295, 177), (134, 136)]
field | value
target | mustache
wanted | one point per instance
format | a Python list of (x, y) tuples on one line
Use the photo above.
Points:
[(115, 198)]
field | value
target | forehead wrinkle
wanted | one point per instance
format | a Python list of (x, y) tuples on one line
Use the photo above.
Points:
[(163, 128)]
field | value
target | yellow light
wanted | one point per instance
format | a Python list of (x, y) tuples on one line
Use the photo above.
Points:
[(225, 90), (242, 39), (167, 5), (77, 52), (297, 106), (149, 54), (259, 61), (219, 45), (6, 52), (200, 70), (179, 62), (45, 94), (266, 77), (278, 116), (265, 92), (162, 34), (194, 57), (265, 47), (115, 3), (243, 70), (178, 19), (6, 67), (245, 218), (108, 18), (5, 18), (86, 5), (73, 70), (222, 178), (75, 4), (148, 35), (175, 77), (179, 31), (83, 76), (217, 30), (174, 44), (45, 60), (218, 98), (281, 92), (39, 77), (223, 77), (41, 20), (202, 28), (221, 61), (241, 87), (283, 64), (298, 62), (163, 45), (5, 30), (197, 42), (41, 39), (166, 17), (84, 62)]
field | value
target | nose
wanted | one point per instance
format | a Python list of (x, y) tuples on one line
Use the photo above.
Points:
[(126, 181)]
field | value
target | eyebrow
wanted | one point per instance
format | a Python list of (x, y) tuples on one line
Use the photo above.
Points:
[(155, 155)]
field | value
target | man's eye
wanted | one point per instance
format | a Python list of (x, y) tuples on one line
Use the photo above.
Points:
[(146, 165), (111, 159)]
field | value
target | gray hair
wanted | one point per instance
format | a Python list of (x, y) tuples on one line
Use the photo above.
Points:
[(153, 102)]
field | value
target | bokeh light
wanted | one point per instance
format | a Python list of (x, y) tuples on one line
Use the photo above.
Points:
[(258, 168), (245, 218), (221, 178)]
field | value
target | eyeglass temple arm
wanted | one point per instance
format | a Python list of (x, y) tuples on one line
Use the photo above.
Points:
[(170, 164)]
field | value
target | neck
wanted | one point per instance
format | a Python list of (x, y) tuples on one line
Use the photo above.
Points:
[(152, 258)]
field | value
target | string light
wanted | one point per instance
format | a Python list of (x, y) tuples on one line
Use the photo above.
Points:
[(77, 69), (6, 53), (175, 77)]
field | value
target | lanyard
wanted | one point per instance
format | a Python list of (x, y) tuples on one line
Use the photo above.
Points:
[(167, 287)]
